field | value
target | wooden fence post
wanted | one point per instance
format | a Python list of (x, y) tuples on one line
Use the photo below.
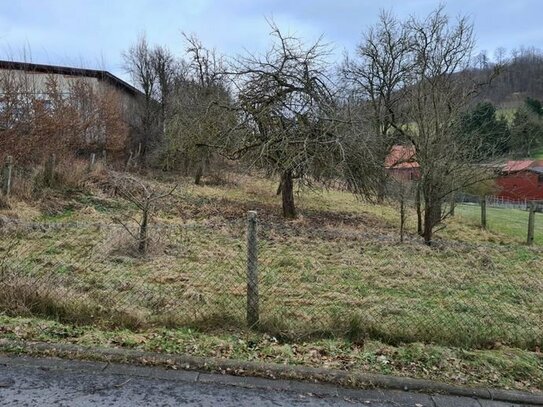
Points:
[(483, 212), (531, 224), (252, 270), (402, 218), (8, 174), (92, 161)]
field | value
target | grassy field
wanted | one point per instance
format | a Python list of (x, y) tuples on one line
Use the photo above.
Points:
[(337, 288), (508, 222)]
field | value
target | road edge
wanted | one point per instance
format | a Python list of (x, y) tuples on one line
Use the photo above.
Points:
[(345, 379)]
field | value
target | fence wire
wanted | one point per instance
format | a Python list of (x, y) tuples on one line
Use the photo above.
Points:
[(509, 219), (303, 282)]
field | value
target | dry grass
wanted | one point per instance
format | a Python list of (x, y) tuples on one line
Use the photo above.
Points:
[(34, 296), (337, 272), (313, 282), (499, 367)]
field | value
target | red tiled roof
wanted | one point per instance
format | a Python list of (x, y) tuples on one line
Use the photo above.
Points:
[(401, 157), (514, 166)]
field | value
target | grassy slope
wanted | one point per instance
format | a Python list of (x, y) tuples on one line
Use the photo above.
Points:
[(329, 275)]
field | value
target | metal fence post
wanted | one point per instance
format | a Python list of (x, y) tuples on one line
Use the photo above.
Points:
[(483, 212), (531, 224), (252, 270)]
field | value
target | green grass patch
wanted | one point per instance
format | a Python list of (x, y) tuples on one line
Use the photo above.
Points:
[(512, 223)]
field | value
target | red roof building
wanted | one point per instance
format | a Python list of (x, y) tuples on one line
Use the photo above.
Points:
[(400, 163), (521, 180)]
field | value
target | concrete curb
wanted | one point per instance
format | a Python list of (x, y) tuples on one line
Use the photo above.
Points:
[(267, 370)]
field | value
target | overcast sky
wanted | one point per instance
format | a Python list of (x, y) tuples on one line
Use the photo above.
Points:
[(93, 33)]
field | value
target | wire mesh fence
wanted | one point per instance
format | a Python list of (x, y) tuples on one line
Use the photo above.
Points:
[(86, 273), (292, 282), (508, 218)]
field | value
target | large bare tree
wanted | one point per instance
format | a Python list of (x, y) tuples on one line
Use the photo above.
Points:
[(165, 67), (199, 111), (286, 110)]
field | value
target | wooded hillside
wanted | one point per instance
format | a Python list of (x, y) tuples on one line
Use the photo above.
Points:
[(521, 77)]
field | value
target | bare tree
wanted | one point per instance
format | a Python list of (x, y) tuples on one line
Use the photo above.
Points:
[(376, 78), (197, 113), (165, 68), (144, 197), (140, 63), (435, 98), (414, 84), (286, 110), (207, 73)]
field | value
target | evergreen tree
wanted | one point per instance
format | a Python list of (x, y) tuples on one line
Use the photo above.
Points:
[(527, 129), (485, 131)]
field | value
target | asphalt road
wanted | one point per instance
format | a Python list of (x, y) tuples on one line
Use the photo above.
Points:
[(28, 381)]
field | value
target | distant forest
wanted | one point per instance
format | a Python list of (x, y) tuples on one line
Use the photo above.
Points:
[(521, 77)]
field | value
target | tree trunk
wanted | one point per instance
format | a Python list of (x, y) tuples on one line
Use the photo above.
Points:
[(381, 187), (380, 193), (427, 232), (432, 216), (287, 195), (279, 188), (202, 165)]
